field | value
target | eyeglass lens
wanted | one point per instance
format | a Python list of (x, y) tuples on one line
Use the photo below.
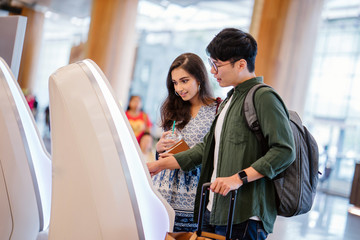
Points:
[(212, 64)]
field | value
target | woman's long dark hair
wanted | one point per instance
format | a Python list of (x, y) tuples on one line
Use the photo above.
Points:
[(174, 108)]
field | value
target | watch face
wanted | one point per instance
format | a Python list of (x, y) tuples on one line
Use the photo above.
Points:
[(242, 174), (243, 177)]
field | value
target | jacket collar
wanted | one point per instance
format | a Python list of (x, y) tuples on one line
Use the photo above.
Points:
[(246, 85), (241, 88)]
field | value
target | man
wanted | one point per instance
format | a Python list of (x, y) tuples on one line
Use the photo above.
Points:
[(230, 154)]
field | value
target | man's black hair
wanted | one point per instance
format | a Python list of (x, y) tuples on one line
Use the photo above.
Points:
[(233, 44)]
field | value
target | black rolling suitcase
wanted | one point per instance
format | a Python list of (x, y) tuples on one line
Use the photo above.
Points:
[(199, 234)]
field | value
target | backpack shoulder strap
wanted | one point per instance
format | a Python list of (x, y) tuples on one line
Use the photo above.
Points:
[(251, 116), (295, 118)]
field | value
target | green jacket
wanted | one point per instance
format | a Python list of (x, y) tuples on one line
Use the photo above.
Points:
[(239, 149)]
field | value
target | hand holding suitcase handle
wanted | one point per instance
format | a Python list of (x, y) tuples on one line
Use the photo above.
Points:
[(205, 188)]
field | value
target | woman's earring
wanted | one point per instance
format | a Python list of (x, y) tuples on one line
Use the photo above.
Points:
[(176, 93), (199, 87)]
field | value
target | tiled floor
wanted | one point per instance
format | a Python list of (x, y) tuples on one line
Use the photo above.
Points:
[(328, 220)]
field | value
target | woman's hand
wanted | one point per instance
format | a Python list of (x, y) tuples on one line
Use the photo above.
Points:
[(164, 144), (165, 155)]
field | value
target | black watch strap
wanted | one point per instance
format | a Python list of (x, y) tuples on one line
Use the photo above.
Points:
[(243, 177)]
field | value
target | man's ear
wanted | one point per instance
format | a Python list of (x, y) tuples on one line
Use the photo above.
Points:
[(242, 64)]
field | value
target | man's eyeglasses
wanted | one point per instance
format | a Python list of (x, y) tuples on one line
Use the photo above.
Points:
[(213, 65)]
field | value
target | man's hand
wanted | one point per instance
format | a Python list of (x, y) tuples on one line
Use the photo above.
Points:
[(166, 161), (154, 168), (223, 185)]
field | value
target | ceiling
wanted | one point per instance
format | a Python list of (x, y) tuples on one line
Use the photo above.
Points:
[(82, 8), (235, 8), (179, 15), (158, 15), (175, 15), (71, 8)]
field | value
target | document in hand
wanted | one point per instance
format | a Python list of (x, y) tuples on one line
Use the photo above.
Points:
[(179, 147)]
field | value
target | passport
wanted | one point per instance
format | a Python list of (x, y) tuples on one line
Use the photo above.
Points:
[(178, 147)]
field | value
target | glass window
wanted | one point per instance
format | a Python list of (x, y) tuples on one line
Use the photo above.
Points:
[(167, 29), (333, 106), (60, 34)]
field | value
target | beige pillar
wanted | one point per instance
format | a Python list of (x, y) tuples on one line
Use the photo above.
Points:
[(286, 35), (112, 42), (31, 49), (256, 18)]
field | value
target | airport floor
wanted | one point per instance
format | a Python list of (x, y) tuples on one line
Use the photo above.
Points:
[(328, 220)]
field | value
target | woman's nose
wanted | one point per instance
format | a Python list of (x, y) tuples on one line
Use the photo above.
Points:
[(178, 88)]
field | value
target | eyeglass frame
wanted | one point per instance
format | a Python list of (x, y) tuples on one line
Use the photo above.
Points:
[(216, 67)]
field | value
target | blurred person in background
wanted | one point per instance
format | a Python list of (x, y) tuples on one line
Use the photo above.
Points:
[(146, 146), (138, 119), (32, 102)]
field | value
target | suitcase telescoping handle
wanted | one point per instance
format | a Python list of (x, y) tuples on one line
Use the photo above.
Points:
[(204, 190)]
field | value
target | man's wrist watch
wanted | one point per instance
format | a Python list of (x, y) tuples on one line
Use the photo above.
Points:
[(243, 177)]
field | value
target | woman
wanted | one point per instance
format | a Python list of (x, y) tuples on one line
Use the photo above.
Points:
[(138, 119), (191, 105)]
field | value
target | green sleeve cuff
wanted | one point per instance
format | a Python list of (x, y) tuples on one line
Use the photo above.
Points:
[(191, 158)]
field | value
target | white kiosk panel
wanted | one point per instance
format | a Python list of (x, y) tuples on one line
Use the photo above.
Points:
[(101, 186)]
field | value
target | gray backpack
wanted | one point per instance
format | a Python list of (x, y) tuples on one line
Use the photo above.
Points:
[(296, 186)]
